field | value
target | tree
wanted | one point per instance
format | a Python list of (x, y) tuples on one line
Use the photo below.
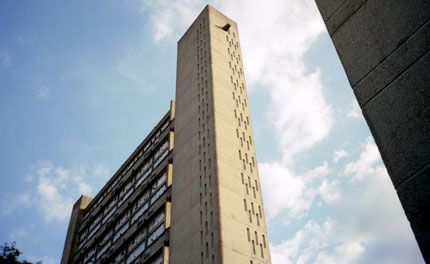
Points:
[(9, 255)]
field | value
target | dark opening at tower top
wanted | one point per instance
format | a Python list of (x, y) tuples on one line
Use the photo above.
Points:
[(226, 27)]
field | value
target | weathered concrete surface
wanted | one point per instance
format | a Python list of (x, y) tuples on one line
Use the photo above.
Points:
[(384, 48)]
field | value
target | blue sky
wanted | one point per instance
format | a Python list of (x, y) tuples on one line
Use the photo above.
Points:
[(82, 83)]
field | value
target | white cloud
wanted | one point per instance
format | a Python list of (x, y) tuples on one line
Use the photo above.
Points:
[(171, 17), (56, 189), (314, 244), (43, 92), (367, 224), (275, 37), (355, 110), (329, 191), (339, 154), (102, 172), (274, 46), (291, 193), (365, 165), (286, 190)]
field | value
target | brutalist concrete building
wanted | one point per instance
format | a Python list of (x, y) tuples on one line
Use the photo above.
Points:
[(190, 192), (384, 48)]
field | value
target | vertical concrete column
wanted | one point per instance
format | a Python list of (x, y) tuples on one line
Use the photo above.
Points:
[(217, 208), (384, 48), (73, 230)]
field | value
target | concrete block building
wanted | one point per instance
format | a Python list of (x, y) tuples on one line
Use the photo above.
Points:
[(190, 192)]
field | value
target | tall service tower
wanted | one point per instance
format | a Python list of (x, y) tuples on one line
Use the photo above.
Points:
[(217, 208), (190, 192)]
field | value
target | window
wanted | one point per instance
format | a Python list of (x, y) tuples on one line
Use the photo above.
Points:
[(109, 209), (161, 153), (158, 259), (156, 234), (136, 240), (160, 181), (106, 237), (89, 257), (144, 172), (261, 250), (133, 255), (125, 192), (119, 256), (139, 213), (82, 237), (121, 225), (264, 241), (103, 250), (158, 193), (159, 218), (140, 201)]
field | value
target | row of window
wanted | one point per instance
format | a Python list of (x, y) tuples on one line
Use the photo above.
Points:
[(252, 209), (206, 201), (141, 153), (135, 247), (263, 237), (134, 213)]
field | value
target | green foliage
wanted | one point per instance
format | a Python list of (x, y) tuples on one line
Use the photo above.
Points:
[(9, 255)]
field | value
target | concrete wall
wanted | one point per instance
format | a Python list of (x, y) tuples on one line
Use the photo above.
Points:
[(237, 170), (384, 48), (188, 242), (73, 229), (211, 184)]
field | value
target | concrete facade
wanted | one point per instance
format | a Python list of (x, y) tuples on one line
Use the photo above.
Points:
[(384, 48), (190, 192), (217, 208)]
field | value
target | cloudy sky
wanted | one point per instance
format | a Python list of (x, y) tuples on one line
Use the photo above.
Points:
[(82, 83)]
